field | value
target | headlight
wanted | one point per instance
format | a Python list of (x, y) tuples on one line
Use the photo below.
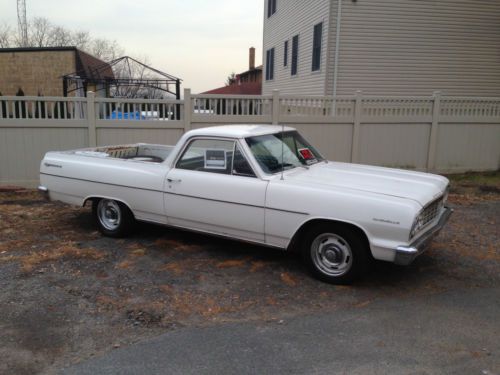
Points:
[(418, 223), (429, 213)]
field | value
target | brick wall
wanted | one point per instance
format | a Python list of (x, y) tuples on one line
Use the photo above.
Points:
[(35, 72)]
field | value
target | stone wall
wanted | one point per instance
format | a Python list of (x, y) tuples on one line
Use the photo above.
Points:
[(35, 72)]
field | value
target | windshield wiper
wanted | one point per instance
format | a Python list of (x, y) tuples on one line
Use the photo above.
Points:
[(283, 166)]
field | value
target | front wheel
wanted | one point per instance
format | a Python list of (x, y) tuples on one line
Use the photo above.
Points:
[(335, 253), (113, 218)]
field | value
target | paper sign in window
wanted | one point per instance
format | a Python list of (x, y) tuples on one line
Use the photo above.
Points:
[(215, 159), (307, 155)]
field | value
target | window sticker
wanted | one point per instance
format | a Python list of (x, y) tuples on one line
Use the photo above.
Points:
[(215, 159), (307, 155)]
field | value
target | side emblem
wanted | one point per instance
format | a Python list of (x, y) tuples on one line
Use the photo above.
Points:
[(52, 165), (386, 221)]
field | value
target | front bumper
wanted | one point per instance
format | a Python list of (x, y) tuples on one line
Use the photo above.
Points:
[(406, 254)]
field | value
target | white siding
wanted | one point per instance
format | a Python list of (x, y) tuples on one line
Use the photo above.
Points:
[(413, 47), (294, 17)]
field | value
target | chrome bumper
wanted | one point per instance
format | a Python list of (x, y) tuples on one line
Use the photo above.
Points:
[(406, 254), (44, 192)]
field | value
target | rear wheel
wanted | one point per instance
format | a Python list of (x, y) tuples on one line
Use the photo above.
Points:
[(335, 253), (113, 218)]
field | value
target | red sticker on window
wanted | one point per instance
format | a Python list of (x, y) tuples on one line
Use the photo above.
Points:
[(306, 153)]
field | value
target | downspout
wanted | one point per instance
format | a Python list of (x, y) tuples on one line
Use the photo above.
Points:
[(337, 45)]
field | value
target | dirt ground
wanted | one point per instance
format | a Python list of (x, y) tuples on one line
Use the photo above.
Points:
[(67, 293)]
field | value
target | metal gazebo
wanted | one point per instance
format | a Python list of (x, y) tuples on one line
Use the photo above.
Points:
[(124, 77)]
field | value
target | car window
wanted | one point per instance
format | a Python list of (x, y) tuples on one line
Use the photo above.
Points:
[(241, 167), (208, 155), (282, 151)]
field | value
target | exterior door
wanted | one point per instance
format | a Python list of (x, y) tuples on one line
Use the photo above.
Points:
[(212, 188)]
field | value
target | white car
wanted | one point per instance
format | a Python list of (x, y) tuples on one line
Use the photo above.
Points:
[(257, 183)]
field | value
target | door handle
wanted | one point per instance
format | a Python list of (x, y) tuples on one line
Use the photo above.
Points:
[(174, 180)]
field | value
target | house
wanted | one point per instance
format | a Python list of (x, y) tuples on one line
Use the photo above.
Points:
[(245, 83), (39, 70), (382, 47)]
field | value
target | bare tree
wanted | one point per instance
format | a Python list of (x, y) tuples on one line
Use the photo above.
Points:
[(82, 40), (60, 37), (105, 49), (5, 36), (231, 79), (40, 32)]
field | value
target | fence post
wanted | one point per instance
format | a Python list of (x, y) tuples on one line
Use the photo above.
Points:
[(91, 119), (188, 110), (431, 156), (276, 107), (356, 127)]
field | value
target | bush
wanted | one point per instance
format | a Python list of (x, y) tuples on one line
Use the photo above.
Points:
[(3, 106), (20, 106), (39, 113), (59, 111)]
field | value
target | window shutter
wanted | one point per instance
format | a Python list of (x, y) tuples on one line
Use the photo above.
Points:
[(316, 57), (295, 54)]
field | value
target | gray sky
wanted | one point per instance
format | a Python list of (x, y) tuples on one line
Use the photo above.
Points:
[(201, 42)]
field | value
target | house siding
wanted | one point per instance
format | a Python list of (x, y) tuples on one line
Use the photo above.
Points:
[(414, 47), (294, 17)]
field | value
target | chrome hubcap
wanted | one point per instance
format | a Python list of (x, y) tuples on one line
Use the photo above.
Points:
[(331, 254), (109, 214)]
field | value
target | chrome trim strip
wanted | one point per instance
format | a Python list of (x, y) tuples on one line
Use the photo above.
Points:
[(100, 182), (407, 253), (189, 196), (237, 203), (214, 234)]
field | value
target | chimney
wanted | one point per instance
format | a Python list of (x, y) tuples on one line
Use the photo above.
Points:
[(251, 59)]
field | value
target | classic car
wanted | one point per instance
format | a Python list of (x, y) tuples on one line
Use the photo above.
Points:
[(257, 183)]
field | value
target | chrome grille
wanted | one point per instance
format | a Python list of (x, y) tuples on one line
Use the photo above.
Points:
[(431, 211)]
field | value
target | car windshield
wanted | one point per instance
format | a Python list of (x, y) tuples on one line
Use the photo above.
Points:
[(282, 151)]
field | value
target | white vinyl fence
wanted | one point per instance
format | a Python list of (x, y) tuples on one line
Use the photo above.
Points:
[(431, 133)]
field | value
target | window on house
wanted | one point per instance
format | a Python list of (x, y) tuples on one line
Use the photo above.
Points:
[(270, 64), (271, 7), (295, 54), (285, 53), (316, 52)]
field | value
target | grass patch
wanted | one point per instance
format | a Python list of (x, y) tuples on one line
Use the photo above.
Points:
[(474, 186), (476, 178), (66, 250)]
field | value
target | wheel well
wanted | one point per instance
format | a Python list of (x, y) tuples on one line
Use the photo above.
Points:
[(299, 234), (90, 199), (96, 199)]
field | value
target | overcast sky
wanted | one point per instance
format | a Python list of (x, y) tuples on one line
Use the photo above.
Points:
[(200, 41)]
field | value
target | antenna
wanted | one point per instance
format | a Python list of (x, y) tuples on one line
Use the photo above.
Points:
[(21, 22), (282, 149)]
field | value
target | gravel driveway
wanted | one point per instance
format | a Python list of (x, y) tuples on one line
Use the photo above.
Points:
[(68, 294)]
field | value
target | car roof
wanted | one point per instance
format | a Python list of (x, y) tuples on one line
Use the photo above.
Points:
[(238, 131)]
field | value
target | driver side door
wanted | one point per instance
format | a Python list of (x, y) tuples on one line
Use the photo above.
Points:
[(213, 188)]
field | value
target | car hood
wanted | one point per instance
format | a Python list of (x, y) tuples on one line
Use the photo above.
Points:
[(417, 186)]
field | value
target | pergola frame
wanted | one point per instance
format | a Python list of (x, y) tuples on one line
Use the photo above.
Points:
[(97, 76)]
